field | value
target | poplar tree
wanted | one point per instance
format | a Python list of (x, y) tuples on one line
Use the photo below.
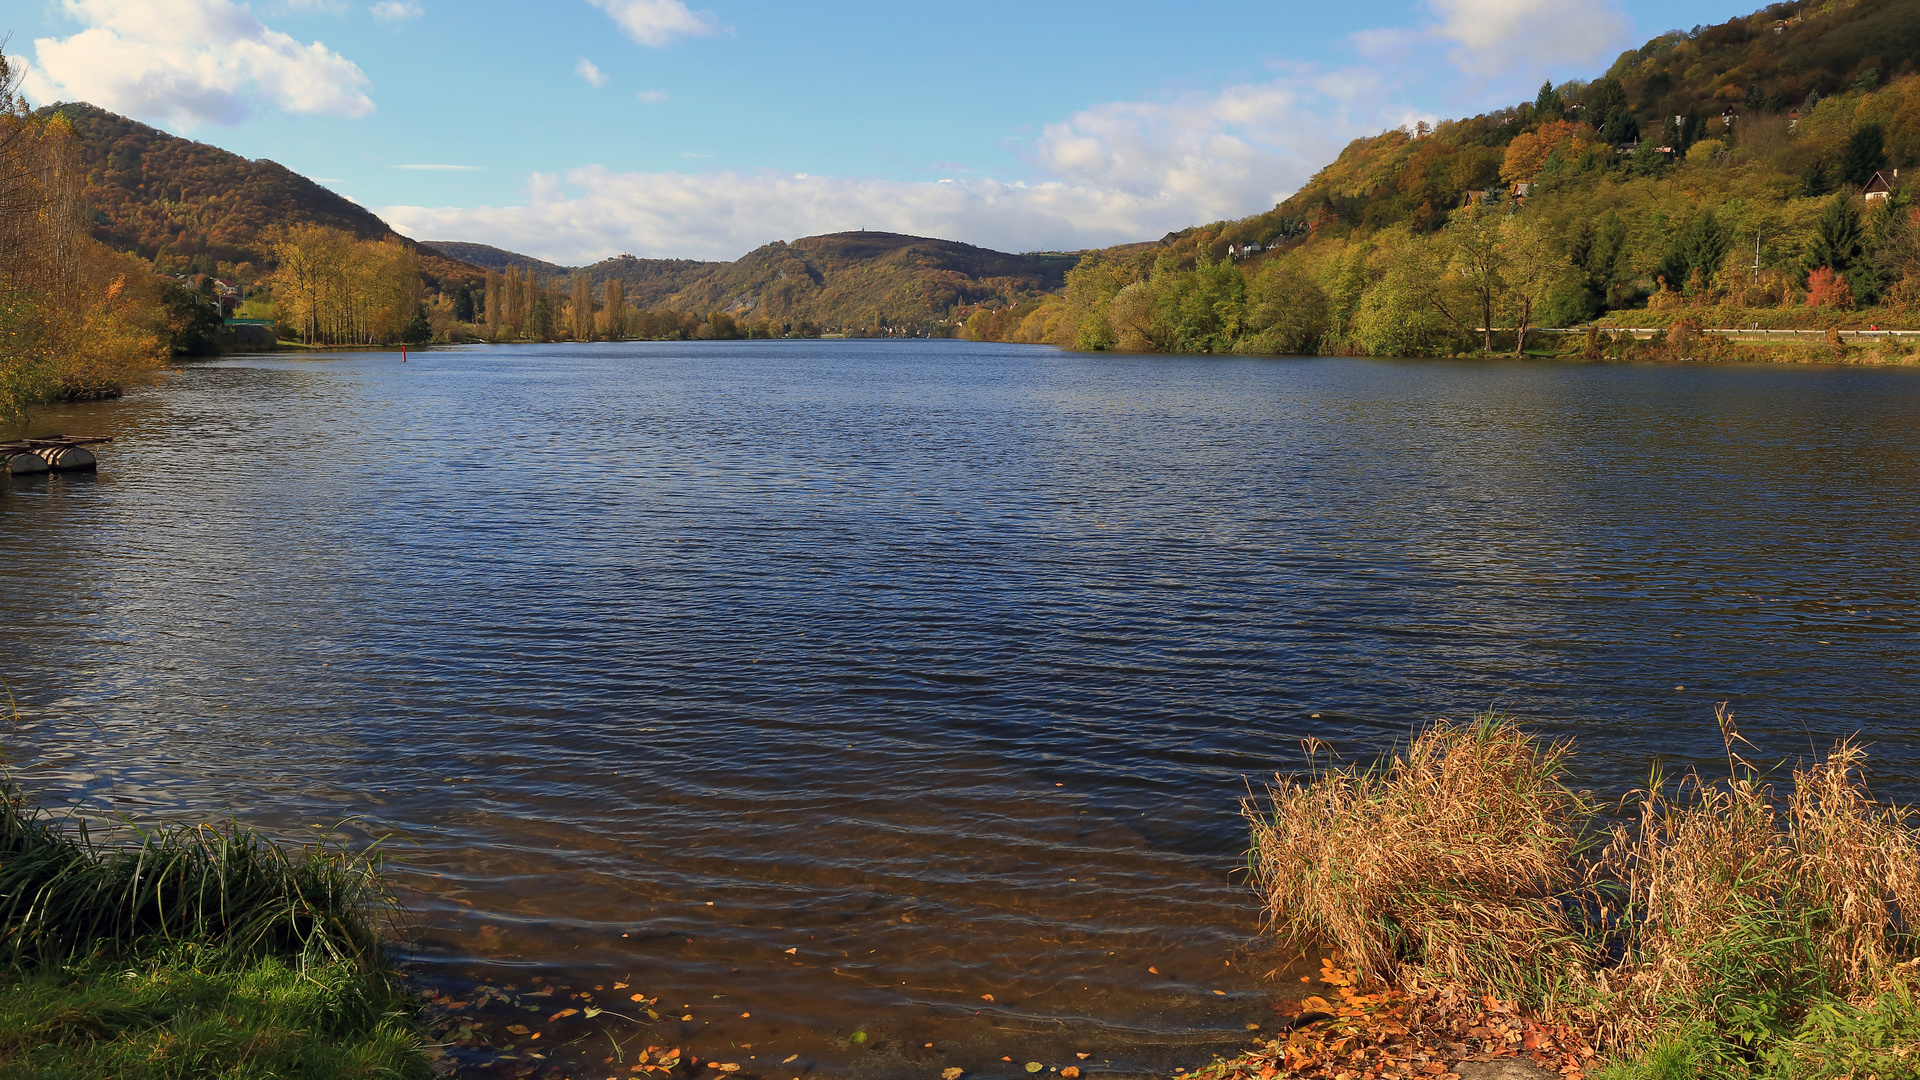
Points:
[(582, 308), (616, 313)]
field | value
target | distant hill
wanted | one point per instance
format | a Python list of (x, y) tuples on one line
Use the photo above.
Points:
[(488, 257), (838, 280), (200, 208)]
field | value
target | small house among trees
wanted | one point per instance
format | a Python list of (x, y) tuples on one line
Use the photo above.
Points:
[(1881, 186)]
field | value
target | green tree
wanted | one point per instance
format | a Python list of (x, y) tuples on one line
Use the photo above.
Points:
[(1547, 106), (419, 331), (193, 319), (1701, 246), (1816, 179), (1202, 310), (1287, 312), (1865, 155), (1533, 266), (1472, 246), (1837, 240)]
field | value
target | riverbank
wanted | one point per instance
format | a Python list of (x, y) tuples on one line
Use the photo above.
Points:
[(193, 951), (1483, 911)]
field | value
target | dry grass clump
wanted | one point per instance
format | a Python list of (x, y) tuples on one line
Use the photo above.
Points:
[(1454, 857), (1742, 911), (1730, 927)]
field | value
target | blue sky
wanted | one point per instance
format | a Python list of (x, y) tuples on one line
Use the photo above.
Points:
[(575, 129)]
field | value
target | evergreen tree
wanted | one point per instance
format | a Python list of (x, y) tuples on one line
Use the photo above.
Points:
[(1866, 154), (1837, 240), (1548, 107), (463, 303), (419, 331), (1816, 180), (1701, 246)]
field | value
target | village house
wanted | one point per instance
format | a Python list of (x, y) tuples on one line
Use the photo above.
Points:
[(1881, 186)]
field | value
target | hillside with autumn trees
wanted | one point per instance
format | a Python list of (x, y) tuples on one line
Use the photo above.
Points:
[(1744, 174)]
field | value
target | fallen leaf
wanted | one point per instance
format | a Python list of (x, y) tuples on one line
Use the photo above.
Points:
[(638, 997), (1034, 1066), (1222, 993), (519, 1029), (1083, 1057), (1071, 1072), (793, 950), (729, 1067), (593, 1012), (561, 1013), (791, 1060), (743, 1016), (949, 1074), (859, 1036), (616, 986), (989, 997), (689, 1016), (1155, 970)]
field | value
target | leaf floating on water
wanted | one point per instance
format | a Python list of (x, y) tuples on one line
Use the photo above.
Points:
[(793, 950), (593, 1012), (728, 1067), (616, 986), (519, 1029), (651, 1015), (791, 1060), (949, 1074), (988, 997), (561, 1013), (1034, 1066), (859, 1036), (1083, 1057), (1071, 1072), (1154, 970), (638, 997), (1222, 993)]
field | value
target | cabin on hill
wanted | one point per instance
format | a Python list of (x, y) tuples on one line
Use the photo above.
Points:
[(1881, 186)]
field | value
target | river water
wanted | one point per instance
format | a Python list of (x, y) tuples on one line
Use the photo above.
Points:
[(826, 688)]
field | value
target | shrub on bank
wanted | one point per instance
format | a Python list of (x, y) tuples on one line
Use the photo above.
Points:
[(1728, 929)]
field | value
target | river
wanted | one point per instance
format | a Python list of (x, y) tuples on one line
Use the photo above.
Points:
[(907, 690)]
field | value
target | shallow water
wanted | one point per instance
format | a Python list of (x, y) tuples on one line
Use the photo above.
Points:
[(941, 665)]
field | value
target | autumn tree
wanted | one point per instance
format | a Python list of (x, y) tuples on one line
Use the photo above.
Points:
[(582, 308), (614, 318)]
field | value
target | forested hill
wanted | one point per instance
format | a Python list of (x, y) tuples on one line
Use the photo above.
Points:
[(488, 257), (195, 208), (1772, 69), (839, 281), (1752, 172)]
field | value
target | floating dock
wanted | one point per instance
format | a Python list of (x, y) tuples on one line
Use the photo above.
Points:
[(55, 453)]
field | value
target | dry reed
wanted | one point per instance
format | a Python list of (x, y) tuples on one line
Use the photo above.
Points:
[(1725, 914), (1454, 857)]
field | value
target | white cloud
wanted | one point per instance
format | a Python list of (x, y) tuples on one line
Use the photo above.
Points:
[(657, 22), (1119, 172), (1493, 37), (396, 11), (190, 61), (440, 168), (652, 97), (588, 71)]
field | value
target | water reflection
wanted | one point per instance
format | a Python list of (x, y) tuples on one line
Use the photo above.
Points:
[(941, 665)]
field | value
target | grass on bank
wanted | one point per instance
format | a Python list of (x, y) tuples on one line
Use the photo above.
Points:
[(1728, 928), (193, 951)]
